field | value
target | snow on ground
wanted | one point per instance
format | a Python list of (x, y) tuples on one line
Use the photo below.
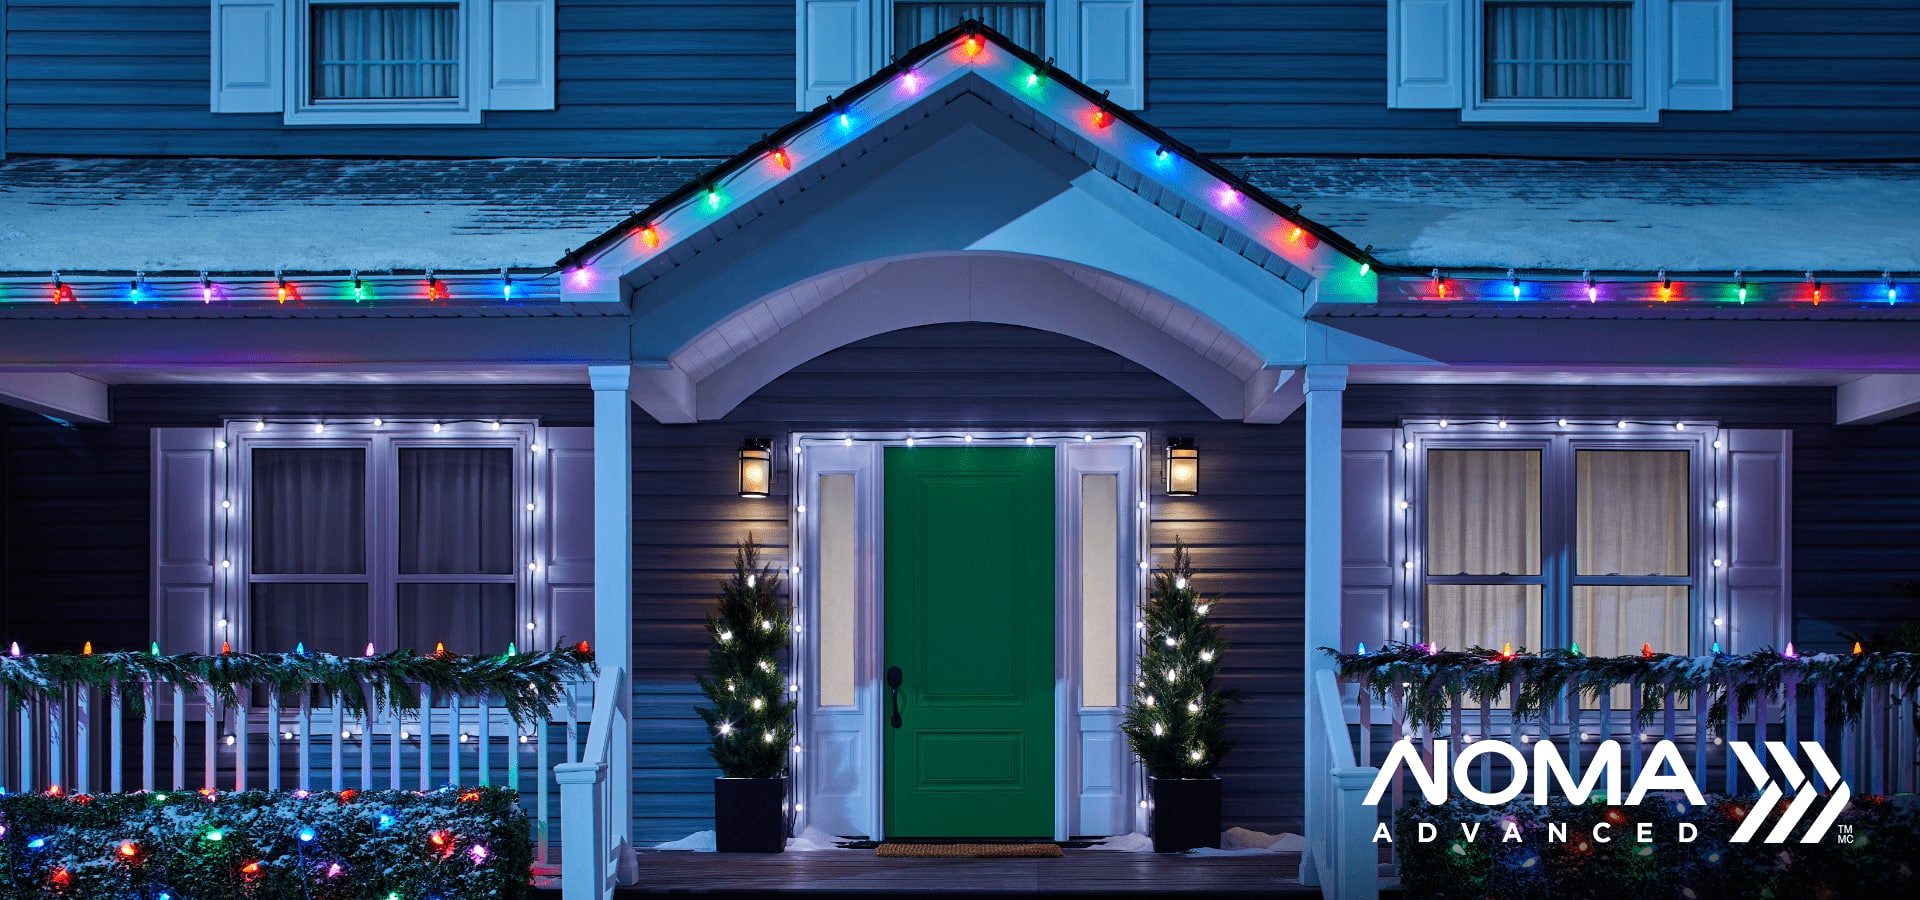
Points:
[(703, 842)]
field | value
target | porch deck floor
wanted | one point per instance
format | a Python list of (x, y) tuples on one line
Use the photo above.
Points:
[(1103, 872)]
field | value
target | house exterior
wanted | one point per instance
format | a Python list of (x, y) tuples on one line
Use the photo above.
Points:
[(337, 322)]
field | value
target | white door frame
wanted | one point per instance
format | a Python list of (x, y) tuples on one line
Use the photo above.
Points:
[(837, 756)]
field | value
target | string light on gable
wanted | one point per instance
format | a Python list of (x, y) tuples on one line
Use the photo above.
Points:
[(62, 292)]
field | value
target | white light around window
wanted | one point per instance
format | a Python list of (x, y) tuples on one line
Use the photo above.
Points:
[(494, 425), (1720, 503), (1407, 446), (535, 448), (1503, 423), (1403, 504), (260, 426), (223, 622), (1716, 562), (533, 566), (1620, 424), (1679, 426), (436, 427), (319, 427), (1563, 423), (1717, 621), (220, 444), (226, 504), (1716, 445), (529, 507), (377, 422), (1443, 423), (530, 626)]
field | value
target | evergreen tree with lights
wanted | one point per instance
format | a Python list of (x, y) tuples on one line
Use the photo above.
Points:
[(1177, 722), (751, 710)]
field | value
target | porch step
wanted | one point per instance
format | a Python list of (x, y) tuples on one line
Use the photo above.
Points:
[(1106, 873)]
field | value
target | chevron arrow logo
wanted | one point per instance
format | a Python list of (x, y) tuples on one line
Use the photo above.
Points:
[(1805, 792)]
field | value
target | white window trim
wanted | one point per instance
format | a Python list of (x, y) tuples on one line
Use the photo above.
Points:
[(1707, 532), (466, 109), (1649, 48), (1079, 807), (232, 529)]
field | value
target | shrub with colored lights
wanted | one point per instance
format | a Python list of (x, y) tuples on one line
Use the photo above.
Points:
[(1874, 844), (452, 844)]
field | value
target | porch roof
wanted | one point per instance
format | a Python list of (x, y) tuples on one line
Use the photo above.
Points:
[(252, 215)]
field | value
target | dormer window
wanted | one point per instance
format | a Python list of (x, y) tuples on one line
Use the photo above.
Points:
[(1557, 51)]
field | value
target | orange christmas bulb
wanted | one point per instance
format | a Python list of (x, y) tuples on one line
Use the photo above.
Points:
[(1646, 650)]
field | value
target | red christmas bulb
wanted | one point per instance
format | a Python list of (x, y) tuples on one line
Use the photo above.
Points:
[(583, 647), (782, 159), (1646, 650), (226, 647), (60, 877), (1102, 118), (650, 236), (972, 46)]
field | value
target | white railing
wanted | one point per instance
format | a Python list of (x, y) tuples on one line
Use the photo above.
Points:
[(1343, 854), (597, 857), (190, 739)]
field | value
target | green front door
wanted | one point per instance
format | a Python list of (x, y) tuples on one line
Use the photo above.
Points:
[(969, 629)]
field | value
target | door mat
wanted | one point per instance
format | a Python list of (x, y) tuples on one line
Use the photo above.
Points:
[(895, 850)]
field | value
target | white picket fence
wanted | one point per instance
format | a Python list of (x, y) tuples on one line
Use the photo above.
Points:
[(78, 743), (1874, 751)]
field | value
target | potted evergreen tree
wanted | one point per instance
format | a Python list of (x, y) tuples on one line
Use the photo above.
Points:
[(750, 709), (1177, 723)]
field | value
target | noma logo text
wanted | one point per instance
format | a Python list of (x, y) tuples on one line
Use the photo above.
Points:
[(1665, 770)]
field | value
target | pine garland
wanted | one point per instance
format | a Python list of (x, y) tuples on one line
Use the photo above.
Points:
[(526, 683), (1177, 723), (751, 714), (1431, 676)]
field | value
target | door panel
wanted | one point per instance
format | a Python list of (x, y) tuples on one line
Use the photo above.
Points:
[(970, 624)]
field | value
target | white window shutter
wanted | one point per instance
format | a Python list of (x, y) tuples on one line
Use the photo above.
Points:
[(248, 43), (564, 535), (1700, 54), (185, 564), (522, 55), (1425, 52), (836, 47), (1759, 539), (1110, 36), (1367, 537)]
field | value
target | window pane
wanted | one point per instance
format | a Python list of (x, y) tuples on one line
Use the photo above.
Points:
[(1559, 51), (1023, 23), (1633, 511), (1460, 616), (1615, 620), (386, 51), (839, 591), (1099, 590), (328, 618), (1483, 512), (456, 511), (468, 618), (309, 511)]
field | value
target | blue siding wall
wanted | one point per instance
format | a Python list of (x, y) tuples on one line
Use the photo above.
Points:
[(1814, 79)]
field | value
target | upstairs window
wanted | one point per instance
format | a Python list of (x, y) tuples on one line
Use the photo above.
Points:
[(1560, 60), (399, 62), (384, 51), (841, 42), (1024, 23), (1557, 51)]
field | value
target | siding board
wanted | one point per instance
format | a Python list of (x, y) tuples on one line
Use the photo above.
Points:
[(683, 79)]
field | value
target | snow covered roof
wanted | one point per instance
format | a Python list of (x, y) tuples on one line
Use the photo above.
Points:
[(1621, 215), (185, 215)]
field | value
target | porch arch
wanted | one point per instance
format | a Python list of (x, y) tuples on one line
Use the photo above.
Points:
[(737, 356)]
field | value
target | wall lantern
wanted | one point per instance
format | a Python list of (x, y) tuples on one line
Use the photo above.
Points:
[(756, 467), (1183, 468)]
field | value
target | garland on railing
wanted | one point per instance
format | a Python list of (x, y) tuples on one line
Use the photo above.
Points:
[(1431, 676), (526, 683)]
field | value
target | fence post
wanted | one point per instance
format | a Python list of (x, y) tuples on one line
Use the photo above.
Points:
[(583, 868)]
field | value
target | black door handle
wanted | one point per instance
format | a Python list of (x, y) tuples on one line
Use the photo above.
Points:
[(893, 682)]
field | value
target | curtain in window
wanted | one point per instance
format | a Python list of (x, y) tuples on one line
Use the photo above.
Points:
[(456, 511), (385, 51), (915, 23), (1559, 51), (327, 618), (1632, 506), (309, 511), (468, 618), (1483, 512)]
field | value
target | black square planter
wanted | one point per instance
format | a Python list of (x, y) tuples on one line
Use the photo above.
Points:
[(1186, 813), (750, 815)]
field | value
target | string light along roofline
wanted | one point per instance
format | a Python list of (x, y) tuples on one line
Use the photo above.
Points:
[(969, 48), (285, 288)]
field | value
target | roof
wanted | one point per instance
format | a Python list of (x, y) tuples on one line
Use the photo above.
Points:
[(1608, 215), (219, 215), (329, 214)]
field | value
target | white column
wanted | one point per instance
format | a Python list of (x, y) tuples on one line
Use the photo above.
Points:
[(1324, 386), (613, 577)]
